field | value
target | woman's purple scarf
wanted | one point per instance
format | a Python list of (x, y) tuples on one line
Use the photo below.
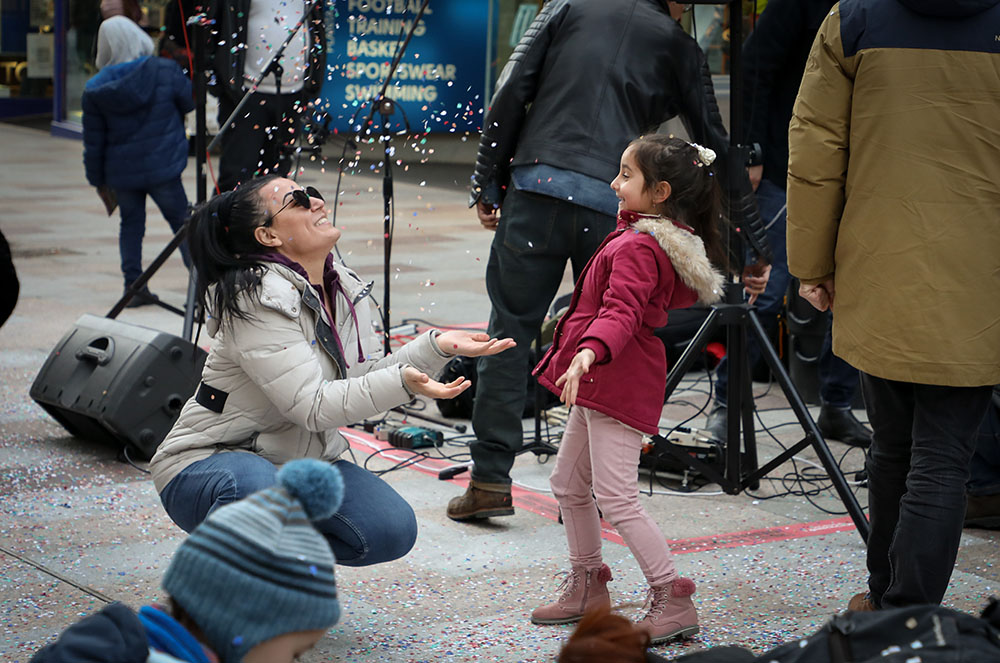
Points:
[(331, 284)]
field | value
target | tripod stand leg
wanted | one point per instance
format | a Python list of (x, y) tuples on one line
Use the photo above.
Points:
[(738, 399), (691, 352), (138, 284), (807, 423), (189, 320), (749, 429), (537, 445)]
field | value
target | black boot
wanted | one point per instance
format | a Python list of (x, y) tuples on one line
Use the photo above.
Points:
[(837, 423), (716, 424), (142, 298)]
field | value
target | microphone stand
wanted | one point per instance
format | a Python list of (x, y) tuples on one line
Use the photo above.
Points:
[(200, 152), (386, 107)]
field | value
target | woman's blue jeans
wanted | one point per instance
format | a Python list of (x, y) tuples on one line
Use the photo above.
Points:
[(374, 524)]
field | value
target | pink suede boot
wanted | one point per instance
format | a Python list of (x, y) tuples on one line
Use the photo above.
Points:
[(671, 611), (582, 590)]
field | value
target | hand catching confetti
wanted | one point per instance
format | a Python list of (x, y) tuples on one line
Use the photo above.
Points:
[(472, 344), (421, 383)]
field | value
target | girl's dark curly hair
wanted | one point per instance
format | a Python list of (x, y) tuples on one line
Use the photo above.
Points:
[(224, 251), (695, 195)]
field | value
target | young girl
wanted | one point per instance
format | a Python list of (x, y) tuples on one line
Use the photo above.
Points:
[(607, 363)]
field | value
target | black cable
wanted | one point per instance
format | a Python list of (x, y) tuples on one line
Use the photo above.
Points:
[(124, 454), (817, 479)]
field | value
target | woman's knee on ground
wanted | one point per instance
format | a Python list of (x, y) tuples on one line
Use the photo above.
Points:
[(374, 541)]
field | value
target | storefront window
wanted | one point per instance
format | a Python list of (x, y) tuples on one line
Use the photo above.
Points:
[(709, 27), (82, 20), (26, 56), (513, 18)]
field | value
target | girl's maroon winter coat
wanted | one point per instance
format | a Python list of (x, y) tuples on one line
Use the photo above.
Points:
[(624, 293)]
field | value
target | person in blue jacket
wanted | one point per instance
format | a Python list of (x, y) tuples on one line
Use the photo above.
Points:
[(133, 137)]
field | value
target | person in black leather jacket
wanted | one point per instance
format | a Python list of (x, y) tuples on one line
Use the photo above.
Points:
[(587, 77)]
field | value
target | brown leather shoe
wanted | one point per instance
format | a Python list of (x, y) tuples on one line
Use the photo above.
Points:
[(862, 603), (482, 500)]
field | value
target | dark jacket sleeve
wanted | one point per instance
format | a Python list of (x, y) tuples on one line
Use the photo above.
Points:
[(113, 635), (515, 90), (95, 131), (765, 53), (699, 111)]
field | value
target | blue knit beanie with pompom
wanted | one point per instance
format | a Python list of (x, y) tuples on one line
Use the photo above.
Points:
[(257, 569)]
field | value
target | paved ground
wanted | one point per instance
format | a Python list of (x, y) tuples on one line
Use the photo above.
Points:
[(78, 527)]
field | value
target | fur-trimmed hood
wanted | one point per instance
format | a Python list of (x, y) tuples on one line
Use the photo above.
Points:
[(686, 252)]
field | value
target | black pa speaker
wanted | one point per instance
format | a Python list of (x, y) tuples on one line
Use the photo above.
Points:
[(117, 383)]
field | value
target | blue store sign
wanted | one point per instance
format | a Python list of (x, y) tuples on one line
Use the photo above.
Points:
[(440, 82)]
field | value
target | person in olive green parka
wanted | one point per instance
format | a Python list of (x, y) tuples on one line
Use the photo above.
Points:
[(894, 222)]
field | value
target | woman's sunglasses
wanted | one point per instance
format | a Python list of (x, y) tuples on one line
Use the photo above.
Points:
[(301, 198)]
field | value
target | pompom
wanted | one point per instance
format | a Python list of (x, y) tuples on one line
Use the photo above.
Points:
[(604, 575), (318, 485), (682, 587)]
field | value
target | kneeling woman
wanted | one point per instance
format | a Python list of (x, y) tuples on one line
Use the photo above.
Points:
[(293, 357)]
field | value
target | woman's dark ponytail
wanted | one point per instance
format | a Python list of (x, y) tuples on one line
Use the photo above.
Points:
[(224, 251)]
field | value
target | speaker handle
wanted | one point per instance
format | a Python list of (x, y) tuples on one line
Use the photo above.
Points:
[(100, 351)]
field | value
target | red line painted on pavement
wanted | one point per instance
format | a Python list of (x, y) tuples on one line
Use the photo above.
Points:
[(547, 507)]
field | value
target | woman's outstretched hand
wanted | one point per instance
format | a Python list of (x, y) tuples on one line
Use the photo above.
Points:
[(570, 380), (472, 344), (421, 383)]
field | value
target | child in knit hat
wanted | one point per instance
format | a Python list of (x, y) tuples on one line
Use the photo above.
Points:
[(253, 583)]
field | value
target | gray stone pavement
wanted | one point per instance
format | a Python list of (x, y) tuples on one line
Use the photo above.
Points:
[(78, 527)]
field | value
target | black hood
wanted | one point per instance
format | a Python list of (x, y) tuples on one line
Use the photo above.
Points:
[(949, 8)]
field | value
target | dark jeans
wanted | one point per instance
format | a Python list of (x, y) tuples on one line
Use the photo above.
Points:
[(170, 197), (536, 236), (918, 465), (374, 524), (838, 380), (252, 143)]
